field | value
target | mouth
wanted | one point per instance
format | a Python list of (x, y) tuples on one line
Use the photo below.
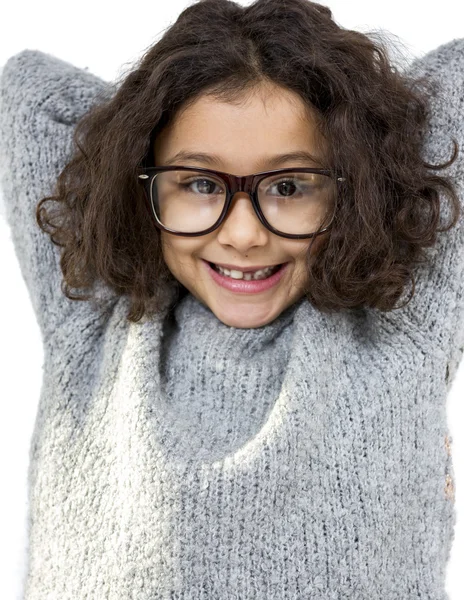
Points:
[(256, 275), (247, 283)]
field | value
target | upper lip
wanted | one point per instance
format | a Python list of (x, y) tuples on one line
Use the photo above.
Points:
[(243, 269)]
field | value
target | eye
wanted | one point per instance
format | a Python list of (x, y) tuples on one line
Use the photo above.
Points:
[(206, 186), (287, 186), (290, 186)]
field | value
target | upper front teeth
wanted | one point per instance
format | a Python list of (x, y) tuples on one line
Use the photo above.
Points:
[(241, 275)]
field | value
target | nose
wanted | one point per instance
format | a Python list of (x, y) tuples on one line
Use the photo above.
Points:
[(241, 227)]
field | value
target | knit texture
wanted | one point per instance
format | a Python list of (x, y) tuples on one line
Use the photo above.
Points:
[(180, 458)]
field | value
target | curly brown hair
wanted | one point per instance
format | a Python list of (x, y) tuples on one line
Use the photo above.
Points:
[(372, 116)]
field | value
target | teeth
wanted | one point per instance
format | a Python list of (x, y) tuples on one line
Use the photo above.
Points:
[(260, 274)]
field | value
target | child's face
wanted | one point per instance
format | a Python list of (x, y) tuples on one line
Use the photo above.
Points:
[(274, 121)]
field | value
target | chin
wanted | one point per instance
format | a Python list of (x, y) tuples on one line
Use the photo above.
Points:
[(244, 321)]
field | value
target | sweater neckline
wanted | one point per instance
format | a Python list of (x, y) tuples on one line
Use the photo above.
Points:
[(191, 317), (309, 374)]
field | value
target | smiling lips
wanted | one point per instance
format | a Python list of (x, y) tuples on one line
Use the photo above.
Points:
[(239, 282)]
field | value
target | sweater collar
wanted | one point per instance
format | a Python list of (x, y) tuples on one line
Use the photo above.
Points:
[(191, 318)]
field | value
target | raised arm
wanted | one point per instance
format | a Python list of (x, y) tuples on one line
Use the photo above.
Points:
[(41, 99), (435, 315)]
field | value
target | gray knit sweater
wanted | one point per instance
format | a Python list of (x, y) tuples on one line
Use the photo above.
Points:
[(180, 458)]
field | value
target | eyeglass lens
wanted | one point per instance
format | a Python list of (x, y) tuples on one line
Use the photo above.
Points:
[(292, 202)]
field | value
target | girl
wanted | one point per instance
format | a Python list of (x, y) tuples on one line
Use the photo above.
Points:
[(244, 395)]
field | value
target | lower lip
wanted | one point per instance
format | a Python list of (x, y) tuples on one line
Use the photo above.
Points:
[(246, 287)]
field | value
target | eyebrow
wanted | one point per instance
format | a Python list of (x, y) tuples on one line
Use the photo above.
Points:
[(267, 161)]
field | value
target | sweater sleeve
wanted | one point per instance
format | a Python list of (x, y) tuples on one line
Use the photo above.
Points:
[(41, 99), (435, 315)]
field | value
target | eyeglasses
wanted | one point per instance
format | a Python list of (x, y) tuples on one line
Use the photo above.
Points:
[(292, 203)]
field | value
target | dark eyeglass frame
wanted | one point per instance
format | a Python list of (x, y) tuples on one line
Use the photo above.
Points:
[(233, 184)]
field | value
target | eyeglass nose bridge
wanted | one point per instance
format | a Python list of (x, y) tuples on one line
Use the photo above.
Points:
[(242, 183), (247, 184)]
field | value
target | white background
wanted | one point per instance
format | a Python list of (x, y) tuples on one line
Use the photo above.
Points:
[(106, 38)]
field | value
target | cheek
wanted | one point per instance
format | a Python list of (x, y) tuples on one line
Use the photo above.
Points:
[(300, 253), (300, 276), (179, 255), (170, 255)]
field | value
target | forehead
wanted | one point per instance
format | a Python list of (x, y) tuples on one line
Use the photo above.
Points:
[(266, 120)]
